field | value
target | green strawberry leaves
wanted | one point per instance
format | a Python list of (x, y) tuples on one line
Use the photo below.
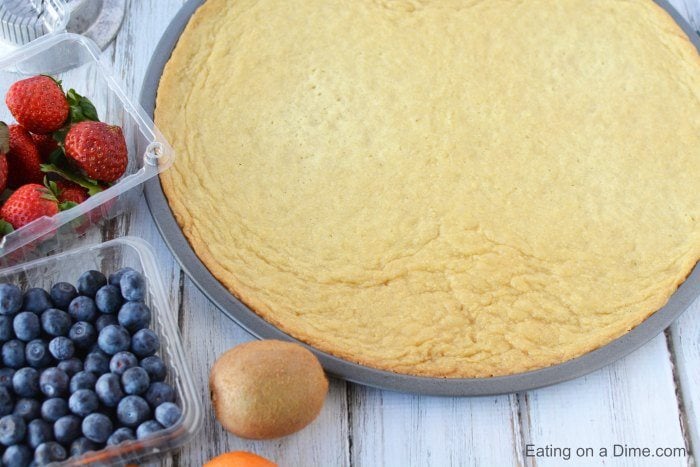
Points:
[(66, 205), (90, 185), (4, 138), (81, 108), (5, 228), (55, 194), (52, 191)]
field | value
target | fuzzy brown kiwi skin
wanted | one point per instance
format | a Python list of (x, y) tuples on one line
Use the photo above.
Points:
[(267, 389)]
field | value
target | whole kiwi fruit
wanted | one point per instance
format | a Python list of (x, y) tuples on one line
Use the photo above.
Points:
[(267, 389)]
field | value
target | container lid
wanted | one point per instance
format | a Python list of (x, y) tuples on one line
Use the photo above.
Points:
[(22, 21)]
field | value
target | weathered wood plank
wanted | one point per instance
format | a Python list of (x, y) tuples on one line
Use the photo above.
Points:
[(632, 402), (685, 342), (208, 333), (391, 429)]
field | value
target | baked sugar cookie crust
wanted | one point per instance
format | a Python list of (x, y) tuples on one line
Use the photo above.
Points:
[(439, 188)]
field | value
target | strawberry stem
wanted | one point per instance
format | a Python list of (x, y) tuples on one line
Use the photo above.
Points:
[(5, 227), (81, 108), (66, 205), (90, 185)]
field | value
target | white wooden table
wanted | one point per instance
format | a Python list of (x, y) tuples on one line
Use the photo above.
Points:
[(651, 399)]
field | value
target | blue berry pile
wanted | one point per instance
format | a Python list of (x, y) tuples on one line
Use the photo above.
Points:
[(79, 369)]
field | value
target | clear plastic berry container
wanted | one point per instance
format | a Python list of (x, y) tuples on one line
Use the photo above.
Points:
[(75, 60), (108, 257)]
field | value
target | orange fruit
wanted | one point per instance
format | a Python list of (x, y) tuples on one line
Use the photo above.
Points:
[(239, 459)]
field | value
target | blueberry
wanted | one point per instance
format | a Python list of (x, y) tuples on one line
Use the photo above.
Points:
[(122, 361), (116, 277), (83, 334), (28, 409), (54, 408), (6, 331), (82, 380), (13, 354), (148, 428), (97, 427), (6, 375), (113, 339), (17, 455), (133, 411), (144, 343), (90, 282), (49, 452), (109, 299), (168, 414), (109, 389), (133, 286), (82, 445), (6, 402), (83, 402), (97, 362), (56, 322), (66, 429), (71, 366), (155, 368), (61, 348), (26, 326), (120, 435), (10, 299), (105, 320), (135, 381), (54, 382), (39, 431), (25, 382), (158, 393), (62, 294), (134, 316), (36, 300), (37, 355), (83, 308), (12, 429)]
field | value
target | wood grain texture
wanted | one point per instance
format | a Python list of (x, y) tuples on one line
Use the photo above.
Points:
[(633, 401), (394, 429), (209, 333)]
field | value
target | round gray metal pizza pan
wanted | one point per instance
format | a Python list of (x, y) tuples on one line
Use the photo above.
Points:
[(350, 371)]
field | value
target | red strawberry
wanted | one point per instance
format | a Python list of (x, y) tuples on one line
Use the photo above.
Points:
[(38, 104), (28, 203), (23, 159), (3, 172), (45, 144), (69, 192), (98, 149), (4, 149)]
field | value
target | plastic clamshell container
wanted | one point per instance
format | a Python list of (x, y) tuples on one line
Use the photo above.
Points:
[(22, 21), (108, 257), (75, 60)]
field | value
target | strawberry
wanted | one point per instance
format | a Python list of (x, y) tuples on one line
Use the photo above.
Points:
[(38, 104), (3, 172), (4, 149), (69, 192), (46, 144), (28, 203), (98, 149), (23, 159)]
